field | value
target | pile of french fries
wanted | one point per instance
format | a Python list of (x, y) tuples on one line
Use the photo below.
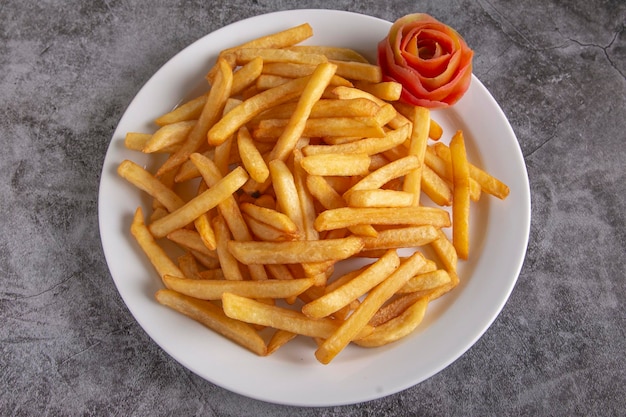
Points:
[(300, 158)]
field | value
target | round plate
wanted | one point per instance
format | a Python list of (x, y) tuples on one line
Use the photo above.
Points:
[(292, 375)]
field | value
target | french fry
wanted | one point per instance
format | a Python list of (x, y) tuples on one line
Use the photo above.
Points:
[(310, 95), (331, 52), (417, 146), (205, 230), (265, 232), (190, 110), (359, 71), (328, 164), (251, 157), (170, 135), (246, 75), (368, 146), (279, 339), (358, 320), (189, 266), (200, 204), (461, 199), (210, 315), (435, 187), (443, 169), (334, 300), (403, 237), (206, 289), (426, 281), (136, 141), (269, 129), (211, 112), (191, 240), (385, 174), (351, 216), (245, 55), (295, 252), (379, 198), (398, 327), (228, 263), (286, 193), (488, 183), (271, 217), (157, 256), (254, 312), (445, 251), (145, 181), (387, 90), (253, 106)]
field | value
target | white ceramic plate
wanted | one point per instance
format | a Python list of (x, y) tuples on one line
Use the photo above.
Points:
[(292, 375)]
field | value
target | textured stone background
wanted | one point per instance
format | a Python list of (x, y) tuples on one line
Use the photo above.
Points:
[(69, 346)]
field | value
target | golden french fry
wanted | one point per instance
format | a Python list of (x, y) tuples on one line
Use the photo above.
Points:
[(286, 192), (368, 146), (445, 251), (435, 187), (255, 312), (246, 75), (443, 169), (358, 320), (351, 216), (200, 204), (328, 164), (379, 198), (334, 300), (228, 263), (189, 110), (385, 174), (170, 135), (245, 55), (307, 203), (488, 183), (330, 199), (296, 125), (403, 237), (387, 90), (295, 252), (145, 181), (210, 315), (191, 240), (426, 281), (251, 157), (269, 129), (214, 289), (461, 196), (157, 256), (359, 107), (265, 232), (253, 106), (205, 230), (331, 52), (271, 217), (282, 39), (189, 266), (359, 71), (136, 141), (216, 100), (398, 327), (279, 339), (417, 146)]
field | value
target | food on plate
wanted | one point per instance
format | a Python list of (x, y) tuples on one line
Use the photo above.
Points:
[(300, 197), (429, 58)]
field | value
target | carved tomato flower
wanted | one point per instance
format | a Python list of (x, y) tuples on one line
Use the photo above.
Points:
[(430, 59)]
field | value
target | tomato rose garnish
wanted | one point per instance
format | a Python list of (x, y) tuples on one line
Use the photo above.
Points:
[(430, 59)]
